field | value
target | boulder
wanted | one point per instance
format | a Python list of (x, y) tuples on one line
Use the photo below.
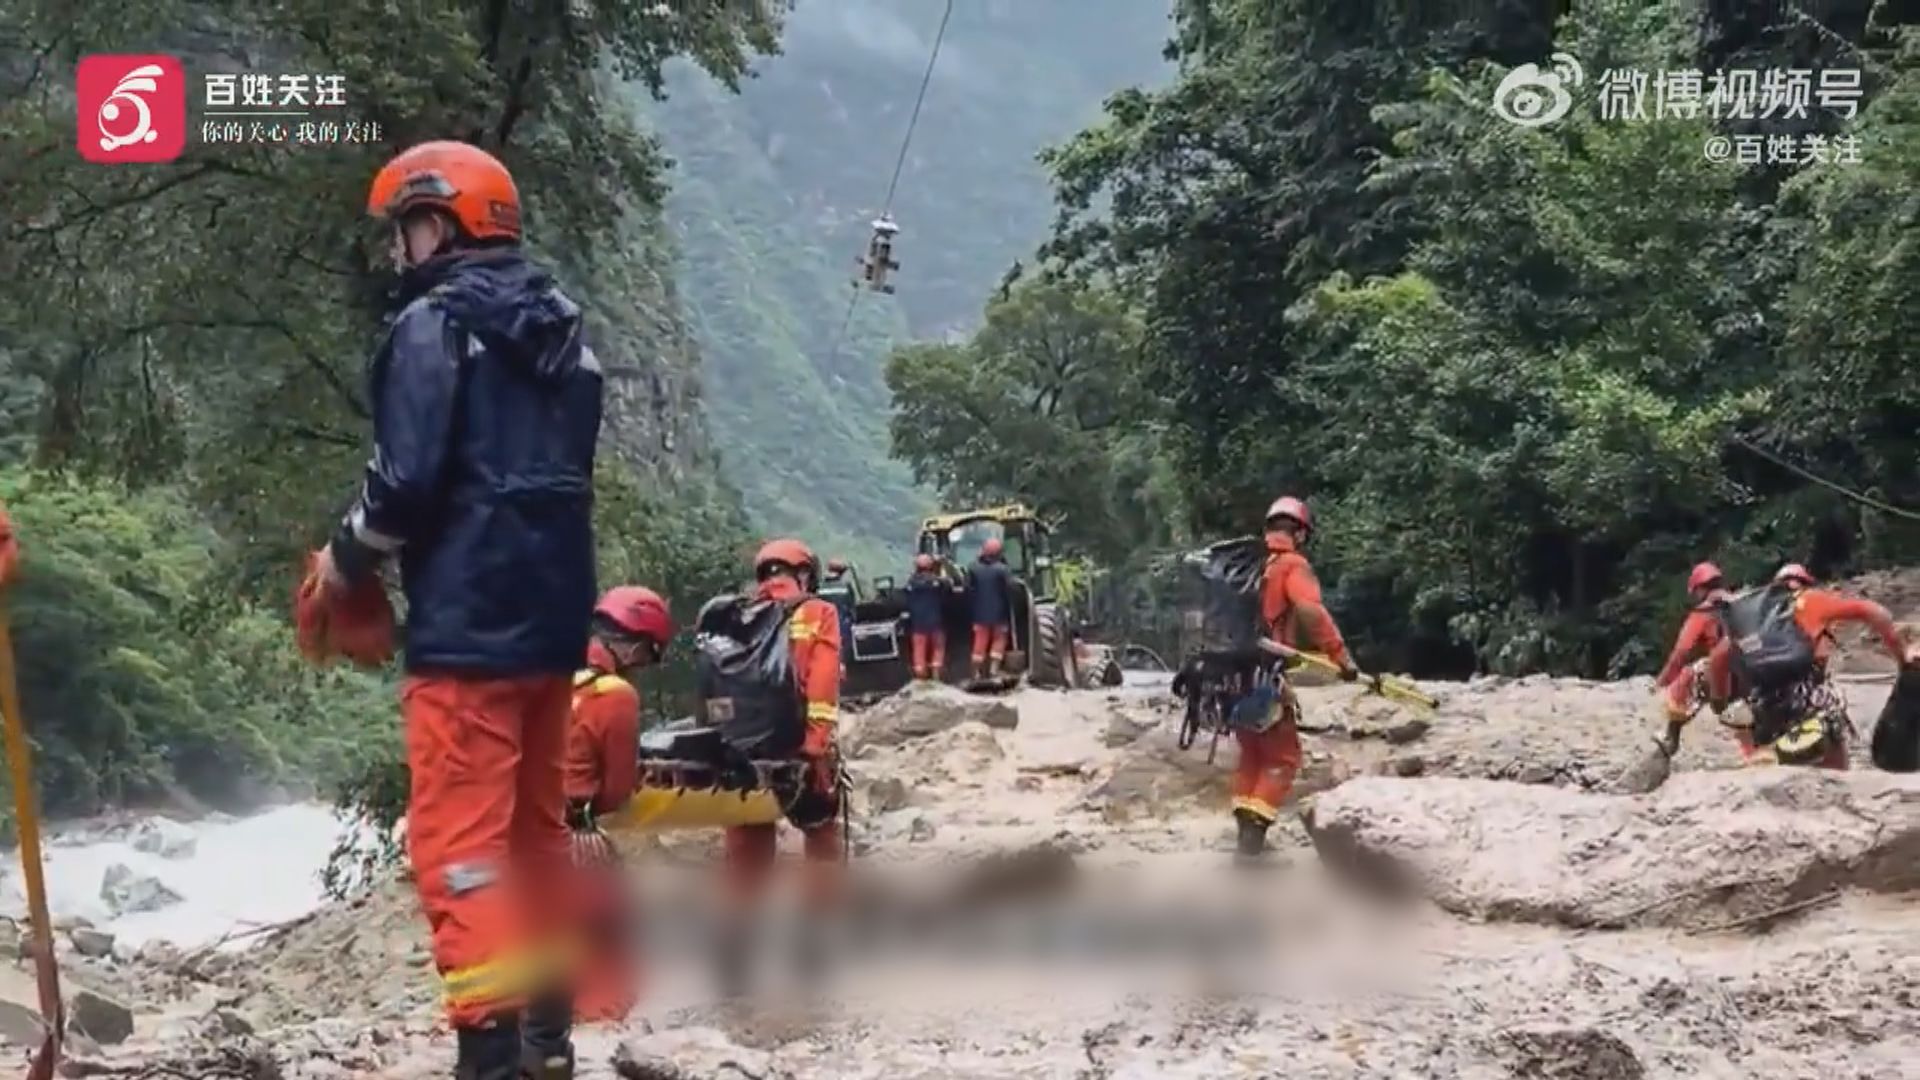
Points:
[(1567, 1054), (100, 1018), (1708, 850), (691, 1054), (1125, 726), (167, 839), (887, 794), (924, 709), (1153, 774), (20, 1023), (89, 942), (127, 892), (904, 827)]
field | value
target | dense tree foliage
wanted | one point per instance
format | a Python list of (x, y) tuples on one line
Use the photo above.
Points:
[(181, 350), (1519, 371)]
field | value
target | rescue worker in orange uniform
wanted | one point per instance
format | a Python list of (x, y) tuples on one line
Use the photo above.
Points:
[(1289, 602), (787, 571), (486, 409), (990, 593), (1683, 681), (1817, 612), (631, 628), (926, 618)]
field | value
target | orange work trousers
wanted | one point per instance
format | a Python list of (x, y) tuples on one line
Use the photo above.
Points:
[(487, 835), (751, 850), (1269, 760), (929, 654), (1687, 692), (989, 641)]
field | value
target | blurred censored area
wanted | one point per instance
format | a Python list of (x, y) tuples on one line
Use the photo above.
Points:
[(1031, 913)]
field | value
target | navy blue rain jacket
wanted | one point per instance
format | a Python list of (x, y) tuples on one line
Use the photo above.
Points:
[(990, 589), (926, 595), (486, 409)]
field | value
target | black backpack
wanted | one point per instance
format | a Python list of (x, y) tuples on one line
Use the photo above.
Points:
[(1896, 735), (747, 687), (1770, 651), (1220, 610)]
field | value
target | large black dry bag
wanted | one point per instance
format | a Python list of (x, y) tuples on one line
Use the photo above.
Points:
[(1896, 735), (1770, 651), (1220, 607), (746, 684)]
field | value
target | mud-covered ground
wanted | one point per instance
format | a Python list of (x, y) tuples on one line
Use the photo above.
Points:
[(1485, 908)]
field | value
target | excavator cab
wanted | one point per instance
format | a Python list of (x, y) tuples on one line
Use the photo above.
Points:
[(878, 262)]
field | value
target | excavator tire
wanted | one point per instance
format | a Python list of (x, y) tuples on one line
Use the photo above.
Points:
[(1051, 665)]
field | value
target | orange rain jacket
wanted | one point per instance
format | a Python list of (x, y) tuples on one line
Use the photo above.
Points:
[(1698, 636), (1290, 596), (603, 753)]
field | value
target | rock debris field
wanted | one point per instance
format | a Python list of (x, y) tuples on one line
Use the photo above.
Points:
[(1458, 893)]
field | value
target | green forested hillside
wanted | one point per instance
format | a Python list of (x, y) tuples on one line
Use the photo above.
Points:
[(772, 195), (1520, 372), (181, 364)]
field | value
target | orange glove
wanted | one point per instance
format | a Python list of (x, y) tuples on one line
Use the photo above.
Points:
[(356, 623), (818, 750), (9, 551)]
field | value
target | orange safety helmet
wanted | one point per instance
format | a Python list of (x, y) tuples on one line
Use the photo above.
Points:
[(636, 611), (1286, 506), (923, 561), (465, 181), (992, 547), (1792, 573), (785, 552), (1704, 575)]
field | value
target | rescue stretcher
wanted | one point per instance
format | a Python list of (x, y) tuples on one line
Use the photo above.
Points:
[(690, 779)]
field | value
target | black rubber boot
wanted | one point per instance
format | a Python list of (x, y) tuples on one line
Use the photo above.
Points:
[(547, 1038), (1250, 847), (491, 1052)]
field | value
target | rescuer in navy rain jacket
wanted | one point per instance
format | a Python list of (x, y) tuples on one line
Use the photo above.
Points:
[(926, 599), (990, 594), (486, 411), (488, 499)]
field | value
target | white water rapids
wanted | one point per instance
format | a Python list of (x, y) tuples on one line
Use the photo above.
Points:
[(242, 872)]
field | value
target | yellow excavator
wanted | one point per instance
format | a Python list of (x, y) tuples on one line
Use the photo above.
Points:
[(1043, 649)]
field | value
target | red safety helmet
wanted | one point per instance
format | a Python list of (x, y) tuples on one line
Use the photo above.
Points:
[(1793, 572), (785, 552), (1703, 576), (923, 561), (465, 181), (638, 612), (993, 546), (1286, 506)]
